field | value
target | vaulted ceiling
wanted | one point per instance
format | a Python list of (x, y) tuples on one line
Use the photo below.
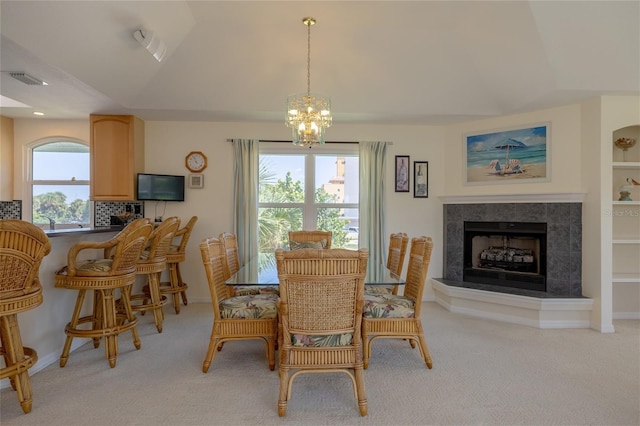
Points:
[(413, 62)]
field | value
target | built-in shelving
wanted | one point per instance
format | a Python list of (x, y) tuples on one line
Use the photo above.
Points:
[(625, 216)]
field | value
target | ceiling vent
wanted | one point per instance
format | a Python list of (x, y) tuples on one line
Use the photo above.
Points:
[(27, 79)]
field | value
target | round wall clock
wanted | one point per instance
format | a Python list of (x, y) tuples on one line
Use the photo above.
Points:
[(196, 161)]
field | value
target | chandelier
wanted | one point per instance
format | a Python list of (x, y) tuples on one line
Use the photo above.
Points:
[(308, 115)]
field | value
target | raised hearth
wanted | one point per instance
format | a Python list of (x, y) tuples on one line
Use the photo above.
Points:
[(557, 304)]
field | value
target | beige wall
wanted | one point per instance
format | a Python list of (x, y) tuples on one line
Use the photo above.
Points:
[(167, 144), (564, 153)]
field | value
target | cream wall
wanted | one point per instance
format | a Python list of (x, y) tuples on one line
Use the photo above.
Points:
[(564, 153), (167, 144), (27, 131)]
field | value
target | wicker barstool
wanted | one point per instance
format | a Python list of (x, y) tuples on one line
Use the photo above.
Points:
[(116, 269), (176, 287), (152, 262), (22, 248)]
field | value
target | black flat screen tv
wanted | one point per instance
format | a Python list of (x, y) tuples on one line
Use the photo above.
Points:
[(153, 187)]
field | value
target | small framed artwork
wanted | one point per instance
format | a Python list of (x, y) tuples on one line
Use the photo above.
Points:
[(420, 179), (513, 155), (402, 173), (196, 181)]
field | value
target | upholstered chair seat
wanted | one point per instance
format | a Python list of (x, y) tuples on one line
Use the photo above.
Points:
[(249, 290), (388, 306), (261, 306)]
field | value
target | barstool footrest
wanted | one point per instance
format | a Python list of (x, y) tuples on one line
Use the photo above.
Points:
[(30, 358)]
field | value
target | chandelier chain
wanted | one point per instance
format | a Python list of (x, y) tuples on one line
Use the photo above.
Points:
[(308, 58), (308, 115)]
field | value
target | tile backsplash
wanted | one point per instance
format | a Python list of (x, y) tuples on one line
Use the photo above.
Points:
[(11, 209), (103, 210)]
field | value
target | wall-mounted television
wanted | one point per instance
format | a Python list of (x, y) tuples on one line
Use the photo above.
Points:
[(154, 187)]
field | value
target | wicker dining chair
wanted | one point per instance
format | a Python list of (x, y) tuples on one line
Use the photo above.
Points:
[(115, 270), (250, 317), (395, 261), (310, 239), (22, 248), (230, 242), (320, 311), (177, 254), (153, 260), (398, 317)]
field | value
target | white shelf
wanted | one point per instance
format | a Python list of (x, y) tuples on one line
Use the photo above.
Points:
[(626, 164), (625, 241), (628, 277), (626, 203)]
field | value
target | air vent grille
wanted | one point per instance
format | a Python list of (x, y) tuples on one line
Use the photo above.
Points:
[(26, 78)]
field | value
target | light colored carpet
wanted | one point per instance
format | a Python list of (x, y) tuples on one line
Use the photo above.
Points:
[(484, 372)]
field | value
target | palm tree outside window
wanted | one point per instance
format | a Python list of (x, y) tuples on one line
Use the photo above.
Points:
[(311, 189)]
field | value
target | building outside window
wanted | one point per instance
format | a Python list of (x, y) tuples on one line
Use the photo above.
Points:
[(59, 184), (308, 189)]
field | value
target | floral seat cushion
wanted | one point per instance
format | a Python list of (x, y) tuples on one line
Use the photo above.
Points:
[(245, 290), (388, 306), (255, 306), (378, 289), (296, 245), (305, 340), (90, 265)]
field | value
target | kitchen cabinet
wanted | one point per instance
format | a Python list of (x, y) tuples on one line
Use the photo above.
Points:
[(6, 159), (117, 155)]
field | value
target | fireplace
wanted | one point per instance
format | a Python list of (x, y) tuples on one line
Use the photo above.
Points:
[(560, 258), (508, 254)]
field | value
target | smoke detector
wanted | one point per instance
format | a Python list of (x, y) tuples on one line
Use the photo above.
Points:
[(27, 79)]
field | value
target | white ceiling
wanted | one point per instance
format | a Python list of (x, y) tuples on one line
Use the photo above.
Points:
[(414, 62)]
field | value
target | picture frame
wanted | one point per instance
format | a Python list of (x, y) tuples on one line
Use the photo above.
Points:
[(420, 179), (196, 180), (512, 155), (402, 173)]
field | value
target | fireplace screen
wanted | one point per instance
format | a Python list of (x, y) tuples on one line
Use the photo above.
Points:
[(509, 254)]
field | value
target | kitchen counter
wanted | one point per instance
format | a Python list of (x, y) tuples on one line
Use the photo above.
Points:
[(83, 231)]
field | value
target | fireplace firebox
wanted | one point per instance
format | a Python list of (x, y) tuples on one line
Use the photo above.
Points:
[(508, 254)]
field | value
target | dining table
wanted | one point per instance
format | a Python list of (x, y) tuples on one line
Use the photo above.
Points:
[(262, 271)]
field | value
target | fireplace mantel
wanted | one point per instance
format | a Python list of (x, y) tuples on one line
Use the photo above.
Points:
[(566, 197)]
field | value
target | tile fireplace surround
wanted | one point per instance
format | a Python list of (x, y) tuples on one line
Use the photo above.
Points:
[(562, 305)]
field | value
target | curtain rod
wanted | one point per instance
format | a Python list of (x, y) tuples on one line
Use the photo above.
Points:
[(283, 141)]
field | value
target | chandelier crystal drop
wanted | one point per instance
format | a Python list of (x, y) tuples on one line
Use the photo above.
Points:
[(308, 115)]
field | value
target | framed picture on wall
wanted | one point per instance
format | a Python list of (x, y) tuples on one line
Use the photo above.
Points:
[(402, 173), (515, 155), (420, 179)]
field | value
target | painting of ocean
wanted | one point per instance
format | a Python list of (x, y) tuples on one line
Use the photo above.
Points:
[(507, 155)]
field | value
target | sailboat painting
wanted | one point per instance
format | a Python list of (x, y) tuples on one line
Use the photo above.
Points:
[(517, 155)]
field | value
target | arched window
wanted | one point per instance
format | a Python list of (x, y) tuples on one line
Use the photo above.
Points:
[(60, 184)]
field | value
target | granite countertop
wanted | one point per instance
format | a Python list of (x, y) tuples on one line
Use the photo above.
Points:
[(87, 230)]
